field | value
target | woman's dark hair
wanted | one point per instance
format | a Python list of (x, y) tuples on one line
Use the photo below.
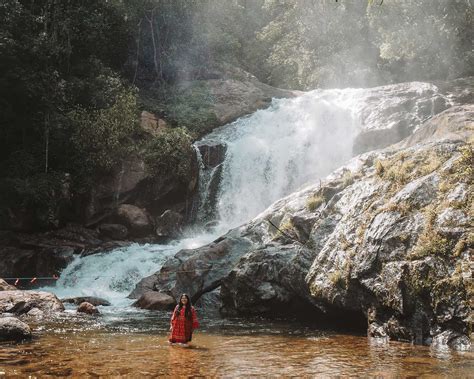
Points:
[(187, 312)]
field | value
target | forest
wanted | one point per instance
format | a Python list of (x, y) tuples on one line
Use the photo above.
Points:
[(75, 75)]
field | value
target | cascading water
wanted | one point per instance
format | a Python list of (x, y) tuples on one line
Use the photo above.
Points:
[(275, 151), (269, 154)]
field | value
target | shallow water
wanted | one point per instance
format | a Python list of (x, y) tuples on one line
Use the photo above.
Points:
[(134, 344)]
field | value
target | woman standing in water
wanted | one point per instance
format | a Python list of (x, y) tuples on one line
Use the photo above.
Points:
[(183, 321)]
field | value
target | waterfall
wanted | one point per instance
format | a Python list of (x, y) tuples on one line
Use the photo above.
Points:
[(248, 165), (275, 151)]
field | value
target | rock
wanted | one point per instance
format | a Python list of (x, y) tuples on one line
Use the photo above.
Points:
[(88, 299), (169, 224), (113, 189), (35, 312), (136, 219), (152, 124), (454, 123), (452, 339), (236, 93), (156, 301), (189, 271), (88, 308), (113, 231), (23, 301), (12, 329), (4, 286), (403, 108), (212, 152)]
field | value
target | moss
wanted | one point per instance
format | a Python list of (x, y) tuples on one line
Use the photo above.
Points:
[(286, 229), (449, 290), (463, 168), (338, 279), (344, 242), (314, 202), (379, 168), (402, 168), (348, 178)]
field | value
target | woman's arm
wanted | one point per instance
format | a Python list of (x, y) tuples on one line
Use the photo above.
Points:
[(173, 317)]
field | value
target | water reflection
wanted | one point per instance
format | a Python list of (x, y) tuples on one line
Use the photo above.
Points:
[(138, 347)]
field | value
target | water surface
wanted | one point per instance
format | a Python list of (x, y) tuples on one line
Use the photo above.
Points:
[(134, 344)]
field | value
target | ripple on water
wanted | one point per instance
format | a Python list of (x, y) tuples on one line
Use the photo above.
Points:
[(136, 347)]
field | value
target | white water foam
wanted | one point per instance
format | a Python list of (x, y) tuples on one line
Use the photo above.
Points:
[(275, 151), (113, 275)]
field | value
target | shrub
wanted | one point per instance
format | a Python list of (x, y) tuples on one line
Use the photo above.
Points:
[(170, 153)]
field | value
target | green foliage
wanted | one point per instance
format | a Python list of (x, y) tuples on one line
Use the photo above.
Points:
[(101, 138), (168, 154), (188, 107)]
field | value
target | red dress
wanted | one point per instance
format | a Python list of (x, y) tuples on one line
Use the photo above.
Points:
[(182, 331)]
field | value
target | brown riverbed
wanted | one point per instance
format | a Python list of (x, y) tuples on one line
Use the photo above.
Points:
[(86, 347)]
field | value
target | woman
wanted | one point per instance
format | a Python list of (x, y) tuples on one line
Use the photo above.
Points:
[(183, 321)]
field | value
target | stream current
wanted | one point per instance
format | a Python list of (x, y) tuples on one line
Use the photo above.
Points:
[(270, 154)]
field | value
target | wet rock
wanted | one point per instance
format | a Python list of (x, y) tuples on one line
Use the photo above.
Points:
[(157, 301), (12, 329), (404, 107), (375, 246), (20, 302), (136, 219), (269, 281), (212, 153), (452, 339), (88, 299), (4, 286), (87, 308), (377, 331), (169, 224), (113, 231), (196, 271)]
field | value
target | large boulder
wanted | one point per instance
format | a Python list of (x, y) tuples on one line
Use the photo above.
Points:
[(12, 329), (169, 224), (236, 93), (156, 301), (113, 231), (212, 152), (20, 302), (137, 220)]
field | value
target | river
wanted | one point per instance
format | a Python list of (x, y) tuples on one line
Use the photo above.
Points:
[(134, 344)]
